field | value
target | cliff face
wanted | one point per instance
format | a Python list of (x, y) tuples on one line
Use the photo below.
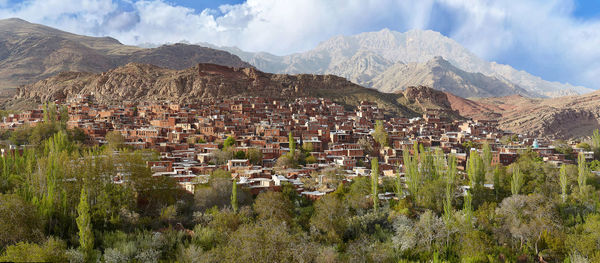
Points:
[(142, 82)]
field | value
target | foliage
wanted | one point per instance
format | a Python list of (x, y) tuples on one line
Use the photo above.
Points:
[(228, 143), (52, 250), (115, 140), (534, 210), (380, 135), (375, 183), (86, 238)]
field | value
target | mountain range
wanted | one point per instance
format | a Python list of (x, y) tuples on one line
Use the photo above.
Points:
[(31, 52), (363, 59)]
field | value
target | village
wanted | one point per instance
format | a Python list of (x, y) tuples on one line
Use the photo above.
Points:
[(248, 136)]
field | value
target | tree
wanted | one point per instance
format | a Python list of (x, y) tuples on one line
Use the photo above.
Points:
[(516, 181), (255, 156), (375, 183), (448, 209), (234, 201), (584, 239), (468, 208), (411, 172), (115, 140), (596, 143), (221, 156), (19, 221), (584, 145), (265, 241), (230, 141), (292, 145), (274, 206), (563, 182), (526, 218), (487, 155), (308, 147), (475, 170), (380, 135), (84, 224), (218, 192), (582, 173), (330, 218), (52, 250)]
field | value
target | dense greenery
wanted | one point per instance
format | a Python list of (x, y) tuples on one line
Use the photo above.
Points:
[(64, 201)]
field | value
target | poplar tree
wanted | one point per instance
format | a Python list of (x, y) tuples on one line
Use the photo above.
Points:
[(380, 135), (411, 173), (596, 142), (475, 170), (375, 183), (563, 182), (234, 199), (487, 155), (516, 181), (84, 224), (468, 209), (582, 173), (292, 143)]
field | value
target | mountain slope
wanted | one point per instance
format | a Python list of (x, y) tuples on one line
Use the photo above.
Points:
[(441, 75), (142, 82), (554, 118), (394, 47), (31, 52)]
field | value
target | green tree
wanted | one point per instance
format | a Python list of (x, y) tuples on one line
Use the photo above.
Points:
[(411, 172), (255, 156), (19, 221), (516, 181), (274, 206), (52, 250), (582, 173), (330, 219), (475, 170), (234, 201), (229, 142), (468, 208), (380, 135), (563, 183), (375, 183), (596, 143), (292, 145), (487, 155), (84, 224), (584, 145), (115, 140)]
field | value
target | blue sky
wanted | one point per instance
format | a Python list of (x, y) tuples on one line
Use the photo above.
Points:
[(555, 39)]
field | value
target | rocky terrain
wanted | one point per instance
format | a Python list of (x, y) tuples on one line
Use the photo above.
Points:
[(31, 52), (142, 82), (558, 118), (441, 75), (360, 58), (564, 117)]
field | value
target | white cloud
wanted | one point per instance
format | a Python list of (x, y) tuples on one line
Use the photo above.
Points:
[(537, 35)]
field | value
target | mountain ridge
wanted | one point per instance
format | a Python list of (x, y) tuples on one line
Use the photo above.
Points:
[(149, 83), (417, 46), (31, 52)]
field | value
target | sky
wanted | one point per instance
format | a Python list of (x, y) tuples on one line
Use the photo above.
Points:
[(558, 40)]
